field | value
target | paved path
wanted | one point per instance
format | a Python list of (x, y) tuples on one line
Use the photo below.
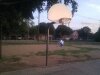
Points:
[(77, 68)]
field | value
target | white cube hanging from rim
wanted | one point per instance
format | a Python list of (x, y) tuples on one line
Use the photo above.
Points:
[(59, 13)]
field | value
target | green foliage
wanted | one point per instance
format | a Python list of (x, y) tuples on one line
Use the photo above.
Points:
[(13, 25), (10, 59), (33, 30), (3, 59), (62, 30), (27, 6), (60, 52), (57, 52), (15, 58), (97, 36), (43, 28), (84, 33), (13, 12), (51, 28), (43, 53), (75, 53)]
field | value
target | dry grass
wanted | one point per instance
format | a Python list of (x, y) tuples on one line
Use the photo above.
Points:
[(29, 55)]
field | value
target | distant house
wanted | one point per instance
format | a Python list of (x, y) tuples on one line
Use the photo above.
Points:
[(66, 37), (50, 37), (39, 37), (43, 37)]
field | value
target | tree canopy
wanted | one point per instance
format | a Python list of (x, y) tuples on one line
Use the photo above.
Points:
[(62, 30), (97, 36), (13, 13), (25, 7), (84, 33), (43, 27)]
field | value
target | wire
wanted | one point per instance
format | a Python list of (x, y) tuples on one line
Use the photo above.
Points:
[(88, 17)]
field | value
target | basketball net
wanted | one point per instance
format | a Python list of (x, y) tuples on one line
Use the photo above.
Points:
[(64, 21)]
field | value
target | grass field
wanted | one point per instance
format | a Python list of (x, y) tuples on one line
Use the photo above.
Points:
[(19, 54), (43, 42)]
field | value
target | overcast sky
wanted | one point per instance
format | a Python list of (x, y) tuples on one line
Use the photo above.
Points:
[(88, 15)]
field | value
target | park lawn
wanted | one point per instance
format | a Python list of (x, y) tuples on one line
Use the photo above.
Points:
[(21, 56)]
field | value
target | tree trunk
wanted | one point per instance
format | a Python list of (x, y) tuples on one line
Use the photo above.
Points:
[(0, 41), (38, 24)]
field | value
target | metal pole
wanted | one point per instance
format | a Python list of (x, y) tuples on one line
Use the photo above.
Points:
[(28, 33), (47, 43), (0, 41)]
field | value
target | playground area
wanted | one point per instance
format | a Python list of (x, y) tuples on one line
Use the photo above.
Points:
[(20, 56)]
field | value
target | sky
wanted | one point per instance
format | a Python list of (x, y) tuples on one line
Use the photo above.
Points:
[(88, 14)]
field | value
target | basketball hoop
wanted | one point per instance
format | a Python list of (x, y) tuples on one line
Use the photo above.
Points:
[(60, 13)]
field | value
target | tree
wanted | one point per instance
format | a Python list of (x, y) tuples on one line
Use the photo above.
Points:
[(43, 28), (51, 28), (27, 6), (23, 28), (84, 33), (62, 30), (10, 8), (15, 10), (33, 30), (16, 27), (97, 36)]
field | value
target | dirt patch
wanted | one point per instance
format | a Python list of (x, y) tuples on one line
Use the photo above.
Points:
[(10, 50), (29, 59), (94, 54)]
